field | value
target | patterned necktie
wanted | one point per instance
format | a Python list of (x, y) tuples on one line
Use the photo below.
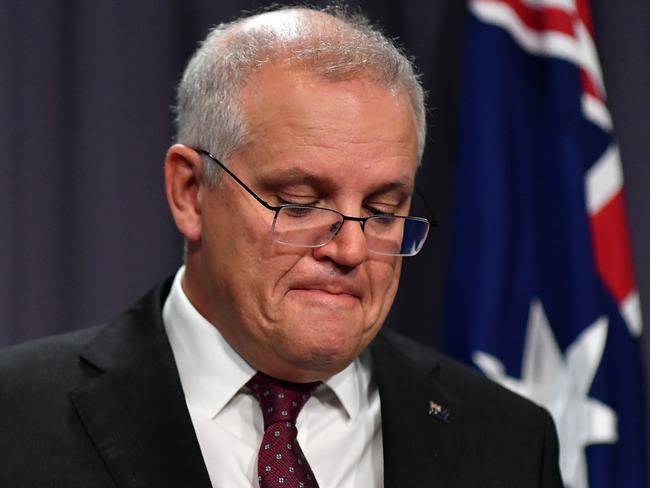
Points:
[(281, 463)]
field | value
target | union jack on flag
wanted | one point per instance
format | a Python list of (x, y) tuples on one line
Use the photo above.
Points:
[(541, 292)]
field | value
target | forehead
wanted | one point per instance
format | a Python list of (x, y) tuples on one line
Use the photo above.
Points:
[(299, 123)]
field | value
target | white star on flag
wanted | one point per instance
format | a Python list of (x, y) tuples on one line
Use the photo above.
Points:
[(561, 383)]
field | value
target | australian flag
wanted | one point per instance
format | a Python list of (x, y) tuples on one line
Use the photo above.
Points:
[(542, 295)]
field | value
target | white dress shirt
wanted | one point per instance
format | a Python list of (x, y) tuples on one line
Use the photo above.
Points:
[(339, 428)]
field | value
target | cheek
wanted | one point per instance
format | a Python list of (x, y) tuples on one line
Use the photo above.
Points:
[(237, 235), (235, 253), (259, 286)]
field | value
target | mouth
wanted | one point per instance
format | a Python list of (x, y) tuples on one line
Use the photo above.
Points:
[(327, 295)]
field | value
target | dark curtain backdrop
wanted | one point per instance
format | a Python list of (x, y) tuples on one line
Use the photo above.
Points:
[(85, 95)]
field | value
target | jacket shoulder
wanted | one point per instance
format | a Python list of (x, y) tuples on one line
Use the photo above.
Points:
[(453, 375), (44, 363), (505, 440)]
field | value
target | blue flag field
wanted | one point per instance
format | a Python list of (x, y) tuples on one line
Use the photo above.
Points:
[(541, 291)]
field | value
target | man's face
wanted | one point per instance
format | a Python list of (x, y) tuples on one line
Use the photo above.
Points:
[(305, 313)]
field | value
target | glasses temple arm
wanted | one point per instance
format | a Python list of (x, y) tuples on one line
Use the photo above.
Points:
[(244, 185)]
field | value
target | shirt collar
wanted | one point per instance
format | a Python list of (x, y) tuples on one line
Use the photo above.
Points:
[(352, 384), (212, 372)]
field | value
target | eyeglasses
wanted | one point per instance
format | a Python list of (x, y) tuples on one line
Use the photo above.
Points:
[(310, 226)]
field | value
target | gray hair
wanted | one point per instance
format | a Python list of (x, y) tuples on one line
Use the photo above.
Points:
[(333, 43)]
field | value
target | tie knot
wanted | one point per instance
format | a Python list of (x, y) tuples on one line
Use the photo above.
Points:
[(281, 401)]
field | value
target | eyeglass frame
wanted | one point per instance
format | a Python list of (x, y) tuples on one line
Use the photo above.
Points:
[(278, 208)]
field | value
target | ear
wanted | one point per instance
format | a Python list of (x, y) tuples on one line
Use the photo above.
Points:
[(183, 184)]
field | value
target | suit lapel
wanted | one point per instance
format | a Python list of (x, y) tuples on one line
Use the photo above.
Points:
[(133, 407), (420, 448)]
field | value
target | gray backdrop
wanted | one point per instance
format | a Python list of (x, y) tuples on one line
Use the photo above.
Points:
[(85, 95)]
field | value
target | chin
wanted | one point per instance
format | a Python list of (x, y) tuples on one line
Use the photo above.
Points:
[(325, 315), (326, 348), (319, 365)]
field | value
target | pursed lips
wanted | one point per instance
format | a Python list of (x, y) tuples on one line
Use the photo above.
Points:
[(330, 288)]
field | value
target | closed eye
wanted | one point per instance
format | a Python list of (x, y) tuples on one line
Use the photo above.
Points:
[(297, 211), (379, 211), (384, 220), (284, 201)]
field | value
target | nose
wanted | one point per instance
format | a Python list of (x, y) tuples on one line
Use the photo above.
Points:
[(347, 248)]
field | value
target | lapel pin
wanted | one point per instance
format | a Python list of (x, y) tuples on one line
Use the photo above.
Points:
[(438, 411)]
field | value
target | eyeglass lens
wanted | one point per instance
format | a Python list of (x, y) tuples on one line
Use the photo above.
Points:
[(313, 227)]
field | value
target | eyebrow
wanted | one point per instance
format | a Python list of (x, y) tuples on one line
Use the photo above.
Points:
[(403, 186), (292, 176)]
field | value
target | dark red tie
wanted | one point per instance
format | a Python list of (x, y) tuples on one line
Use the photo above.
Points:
[(281, 463)]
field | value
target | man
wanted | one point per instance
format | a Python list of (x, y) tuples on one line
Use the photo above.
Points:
[(299, 134)]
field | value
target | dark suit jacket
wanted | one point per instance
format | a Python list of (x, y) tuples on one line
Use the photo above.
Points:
[(104, 407)]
